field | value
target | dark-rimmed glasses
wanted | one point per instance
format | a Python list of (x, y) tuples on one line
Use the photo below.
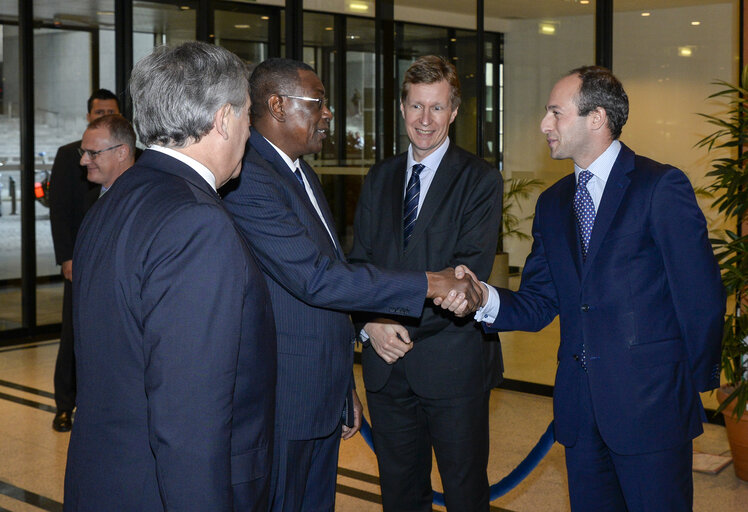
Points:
[(321, 102), (93, 154)]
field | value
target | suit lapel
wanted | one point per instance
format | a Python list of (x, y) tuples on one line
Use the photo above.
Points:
[(396, 196), (449, 168), (324, 207), (569, 223), (270, 155), (615, 188)]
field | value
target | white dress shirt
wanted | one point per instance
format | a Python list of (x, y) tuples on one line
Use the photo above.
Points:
[(600, 170), (188, 160), (292, 166)]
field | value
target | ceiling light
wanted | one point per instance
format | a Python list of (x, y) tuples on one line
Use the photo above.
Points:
[(695, 23), (584, 2), (241, 26), (547, 29), (685, 51), (358, 6), (265, 18), (184, 7), (329, 28), (645, 14), (105, 13)]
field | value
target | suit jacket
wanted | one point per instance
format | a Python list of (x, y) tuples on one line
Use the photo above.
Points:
[(311, 288), (70, 197), (647, 303), (458, 224), (175, 351)]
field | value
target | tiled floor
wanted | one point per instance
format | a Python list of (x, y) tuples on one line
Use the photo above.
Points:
[(32, 455)]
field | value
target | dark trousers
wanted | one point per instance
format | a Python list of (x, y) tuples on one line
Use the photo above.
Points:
[(600, 479), (305, 474), (65, 365), (406, 426)]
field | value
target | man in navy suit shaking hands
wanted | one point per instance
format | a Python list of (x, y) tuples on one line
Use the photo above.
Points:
[(280, 207), (621, 254), (175, 339)]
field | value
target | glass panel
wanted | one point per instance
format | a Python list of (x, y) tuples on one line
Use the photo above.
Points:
[(493, 126), (244, 33), (157, 24), (319, 52), (10, 182), (463, 54), (62, 85), (360, 123), (667, 60)]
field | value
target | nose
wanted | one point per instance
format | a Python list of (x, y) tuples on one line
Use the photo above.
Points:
[(545, 123), (326, 112), (85, 160), (425, 117)]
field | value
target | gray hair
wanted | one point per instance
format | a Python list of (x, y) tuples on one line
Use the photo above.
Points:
[(177, 91)]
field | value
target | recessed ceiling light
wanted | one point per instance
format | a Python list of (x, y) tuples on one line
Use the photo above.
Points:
[(584, 2), (184, 7), (329, 28), (695, 23), (547, 29), (645, 14), (241, 26), (265, 18), (453, 39), (358, 6), (685, 51)]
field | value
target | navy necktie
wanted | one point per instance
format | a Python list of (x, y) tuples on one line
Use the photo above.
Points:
[(584, 209), (297, 173), (410, 205)]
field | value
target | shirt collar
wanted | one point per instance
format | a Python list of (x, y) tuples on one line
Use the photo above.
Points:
[(433, 160), (603, 164), (188, 160), (292, 164)]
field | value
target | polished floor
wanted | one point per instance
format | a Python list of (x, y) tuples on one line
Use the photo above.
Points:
[(32, 455)]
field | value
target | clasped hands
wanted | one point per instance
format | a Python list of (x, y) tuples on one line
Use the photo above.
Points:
[(456, 290)]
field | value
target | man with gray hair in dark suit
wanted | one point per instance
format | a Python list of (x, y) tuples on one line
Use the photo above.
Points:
[(175, 339)]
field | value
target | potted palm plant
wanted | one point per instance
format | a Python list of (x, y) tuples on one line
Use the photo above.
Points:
[(515, 190), (730, 188)]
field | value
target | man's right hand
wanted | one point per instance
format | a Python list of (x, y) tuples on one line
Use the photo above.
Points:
[(67, 269), (389, 339), (445, 285)]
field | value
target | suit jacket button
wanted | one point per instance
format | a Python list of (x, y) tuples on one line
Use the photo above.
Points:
[(576, 357), (585, 308)]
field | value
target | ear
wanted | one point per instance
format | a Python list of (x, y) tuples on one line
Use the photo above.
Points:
[(598, 118), (123, 152), (221, 121), (402, 109), (275, 108), (453, 115)]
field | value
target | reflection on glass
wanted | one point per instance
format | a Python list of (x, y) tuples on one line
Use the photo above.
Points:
[(10, 182), (156, 24), (360, 100), (244, 33)]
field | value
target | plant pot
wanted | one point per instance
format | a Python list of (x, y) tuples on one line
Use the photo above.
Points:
[(500, 272), (737, 435)]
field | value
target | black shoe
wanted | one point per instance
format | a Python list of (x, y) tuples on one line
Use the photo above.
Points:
[(63, 421)]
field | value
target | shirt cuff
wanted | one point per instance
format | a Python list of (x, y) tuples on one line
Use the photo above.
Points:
[(490, 311), (363, 336)]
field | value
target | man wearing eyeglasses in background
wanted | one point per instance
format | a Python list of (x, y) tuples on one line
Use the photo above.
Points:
[(71, 194), (280, 208), (107, 149)]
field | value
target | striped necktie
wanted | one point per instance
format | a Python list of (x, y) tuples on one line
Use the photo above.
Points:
[(410, 205)]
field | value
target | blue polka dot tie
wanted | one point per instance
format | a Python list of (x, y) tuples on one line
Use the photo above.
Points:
[(410, 205), (584, 209)]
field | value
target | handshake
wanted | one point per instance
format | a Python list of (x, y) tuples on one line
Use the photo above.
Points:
[(456, 290)]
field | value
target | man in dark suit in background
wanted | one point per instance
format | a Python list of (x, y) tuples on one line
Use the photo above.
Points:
[(279, 205), (175, 339), (107, 149), (621, 254), (70, 197), (435, 206)]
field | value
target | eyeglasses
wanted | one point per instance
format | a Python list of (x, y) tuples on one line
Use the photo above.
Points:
[(93, 154), (321, 102)]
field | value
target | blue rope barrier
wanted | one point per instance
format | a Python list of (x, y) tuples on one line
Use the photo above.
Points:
[(506, 484)]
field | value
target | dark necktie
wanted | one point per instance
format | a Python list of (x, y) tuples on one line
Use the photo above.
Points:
[(297, 173), (410, 205), (584, 209)]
